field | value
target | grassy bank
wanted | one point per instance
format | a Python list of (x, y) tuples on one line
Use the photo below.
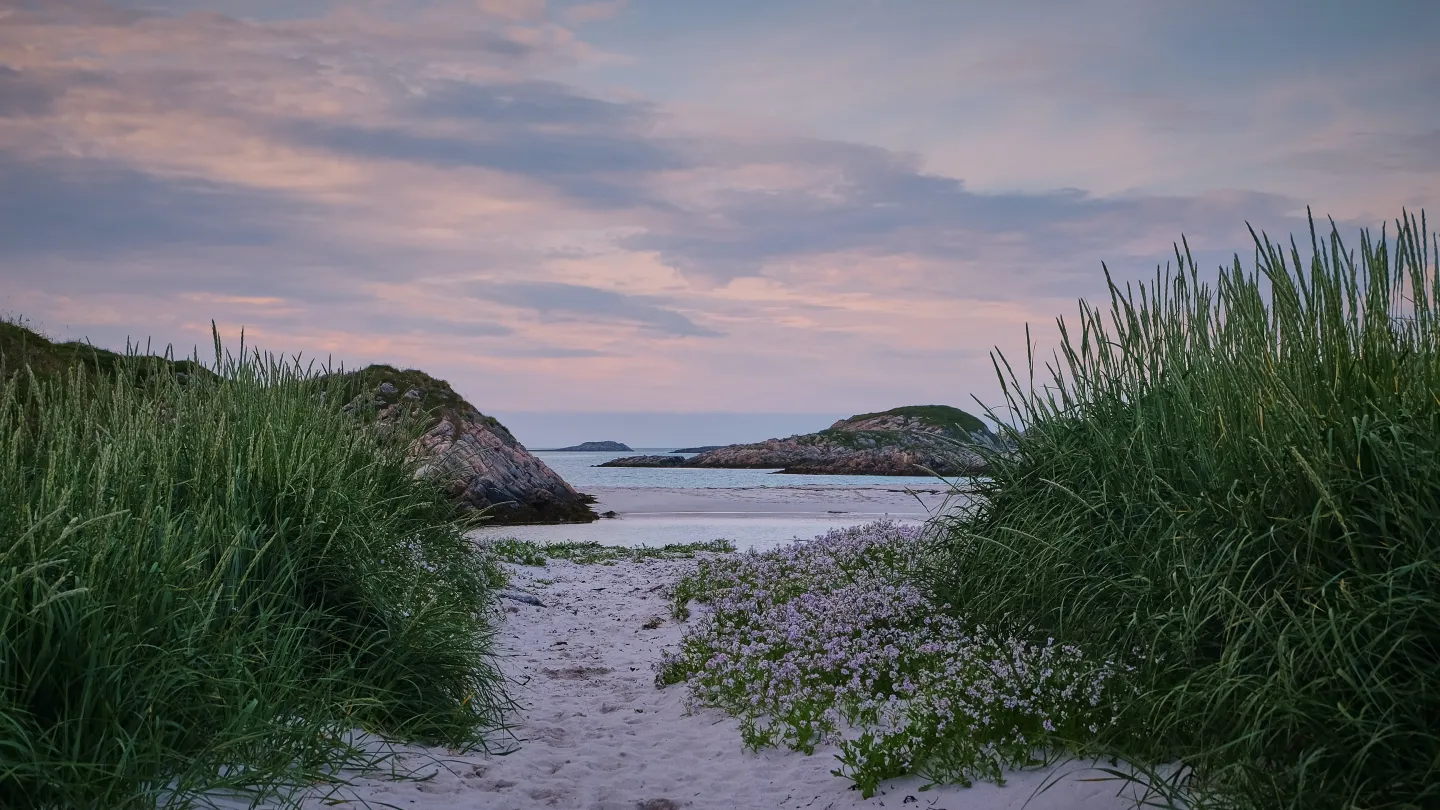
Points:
[(207, 580), (1216, 545), (1237, 488)]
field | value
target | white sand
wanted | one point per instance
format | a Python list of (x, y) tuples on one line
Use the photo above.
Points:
[(751, 517), (597, 734)]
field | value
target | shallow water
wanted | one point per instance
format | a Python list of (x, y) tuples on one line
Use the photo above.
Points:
[(580, 470), (759, 533), (754, 509)]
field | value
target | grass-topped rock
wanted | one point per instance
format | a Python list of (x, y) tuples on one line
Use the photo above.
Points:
[(21, 347), (911, 440), (482, 464)]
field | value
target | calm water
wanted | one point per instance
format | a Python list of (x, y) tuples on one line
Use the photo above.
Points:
[(849, 501), (580, 470), (759, 533)]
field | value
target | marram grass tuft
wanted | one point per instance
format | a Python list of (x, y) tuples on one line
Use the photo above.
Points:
[(1237, 488), (208, 580)]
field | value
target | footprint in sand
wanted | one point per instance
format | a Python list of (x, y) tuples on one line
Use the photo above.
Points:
[(551, 735), (551, 796), (575, 673)]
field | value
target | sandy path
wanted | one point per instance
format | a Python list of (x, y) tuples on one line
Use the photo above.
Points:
[(598, 735)]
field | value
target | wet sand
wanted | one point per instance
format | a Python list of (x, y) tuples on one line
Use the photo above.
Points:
[(752, 518), (869, 502)]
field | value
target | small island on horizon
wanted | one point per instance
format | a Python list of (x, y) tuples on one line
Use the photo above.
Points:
[(595, 447)]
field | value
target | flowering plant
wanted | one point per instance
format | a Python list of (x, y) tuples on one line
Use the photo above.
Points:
[(831, 640)]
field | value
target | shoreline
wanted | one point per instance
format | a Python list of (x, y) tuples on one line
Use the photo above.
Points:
[(751, 517), (877, 501)]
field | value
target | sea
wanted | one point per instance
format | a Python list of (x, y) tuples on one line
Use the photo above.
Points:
[(754, 509)]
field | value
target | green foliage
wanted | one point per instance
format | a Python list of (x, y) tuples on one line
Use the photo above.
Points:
[(1238, 488), (527, 552), (22, 348), (828, 640), (437, 399), (208, 580), (943, 416)]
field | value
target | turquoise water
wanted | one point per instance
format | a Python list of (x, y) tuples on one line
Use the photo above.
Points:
[(759, 533), (579, 470), (737, 504)]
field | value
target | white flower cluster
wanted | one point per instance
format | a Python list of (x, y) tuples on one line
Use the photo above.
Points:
[(832, 641)]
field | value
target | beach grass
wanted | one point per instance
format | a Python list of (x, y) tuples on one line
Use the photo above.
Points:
[(209, 580), (1210, 555), (1235, 487)]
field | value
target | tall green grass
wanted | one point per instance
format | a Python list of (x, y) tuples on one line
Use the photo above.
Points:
[(208, 580), (1237, 487)]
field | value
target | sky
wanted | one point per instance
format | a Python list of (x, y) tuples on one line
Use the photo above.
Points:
[(678, 221)]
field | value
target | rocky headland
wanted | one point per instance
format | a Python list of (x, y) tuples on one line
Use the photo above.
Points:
[(595, 447), (913, 440), (705, 449), (481, 463)]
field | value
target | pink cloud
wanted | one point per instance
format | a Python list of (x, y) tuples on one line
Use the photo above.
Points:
[(803, 222)]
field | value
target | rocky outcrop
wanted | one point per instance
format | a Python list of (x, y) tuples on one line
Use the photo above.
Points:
[(705, 449), (481, 463), (914, 440), (595, 447), (645, 461)]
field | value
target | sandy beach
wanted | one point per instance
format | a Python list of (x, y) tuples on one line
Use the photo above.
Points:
[(596, 734), (752, 517)]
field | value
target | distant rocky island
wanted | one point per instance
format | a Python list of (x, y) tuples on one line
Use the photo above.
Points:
[(705, 449), (912, 440), (595, 447)]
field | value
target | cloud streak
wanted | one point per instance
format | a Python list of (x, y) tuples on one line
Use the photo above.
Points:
[(556, 300)]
